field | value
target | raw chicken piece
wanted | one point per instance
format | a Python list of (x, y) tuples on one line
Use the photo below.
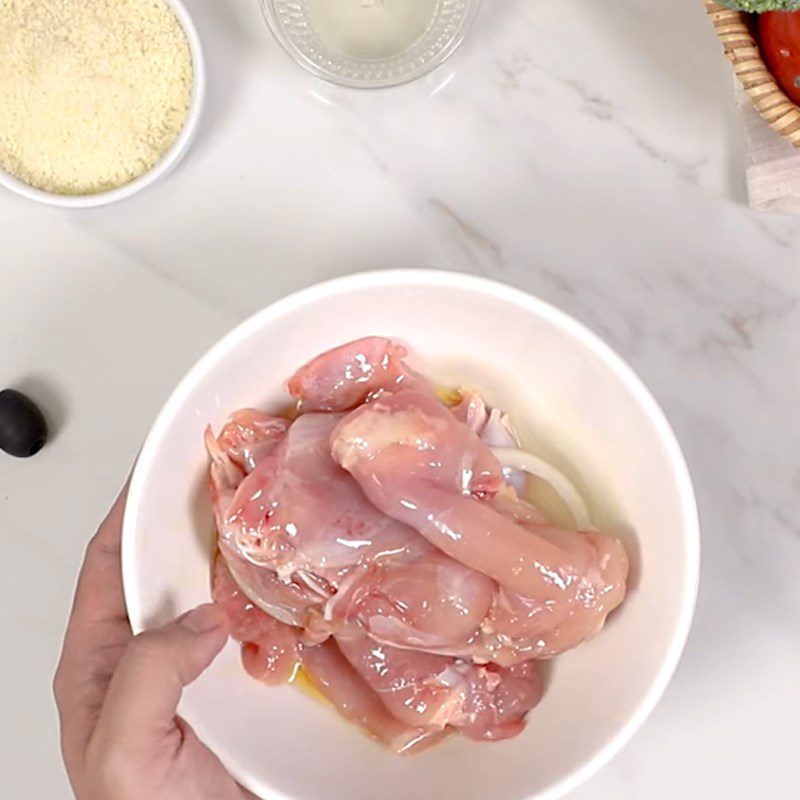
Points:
[(299, 513), (248, 437), (250, 434), (225, 477), (436, 691), (497, 710), (520, 627), (434, 603), (354, 373), (292, 602), (519, 511), (270, 649), (413, 685), (247, 440), (300, 516), (274, 658), (335, 678), (418, 439), (416, 462), (393, 534)]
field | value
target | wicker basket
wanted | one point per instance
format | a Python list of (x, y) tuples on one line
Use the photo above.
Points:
[(735, 31)]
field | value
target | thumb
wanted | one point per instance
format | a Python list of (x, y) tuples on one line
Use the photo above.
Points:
[(146, 687)]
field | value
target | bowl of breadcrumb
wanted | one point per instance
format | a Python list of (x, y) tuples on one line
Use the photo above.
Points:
[(97, 100)]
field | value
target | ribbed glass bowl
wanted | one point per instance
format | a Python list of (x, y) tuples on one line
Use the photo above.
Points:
[(291, 21)]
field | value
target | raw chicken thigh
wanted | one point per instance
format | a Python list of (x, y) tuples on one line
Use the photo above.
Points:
[(378, 541), (431, 691), (270, 648), (417, 463)]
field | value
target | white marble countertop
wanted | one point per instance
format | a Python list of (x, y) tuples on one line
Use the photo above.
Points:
[(587, 152)]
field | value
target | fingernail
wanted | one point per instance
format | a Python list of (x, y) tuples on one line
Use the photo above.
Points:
[(203, 619)]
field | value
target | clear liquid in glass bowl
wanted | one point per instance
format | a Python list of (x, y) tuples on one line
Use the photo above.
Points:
[(370, 43)]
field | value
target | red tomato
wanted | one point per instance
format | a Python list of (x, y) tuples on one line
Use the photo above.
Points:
[(779, 32)]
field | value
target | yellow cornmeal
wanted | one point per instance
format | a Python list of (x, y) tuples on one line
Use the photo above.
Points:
[(92, 92)]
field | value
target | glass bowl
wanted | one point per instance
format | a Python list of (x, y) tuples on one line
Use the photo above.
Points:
[(293, 24)]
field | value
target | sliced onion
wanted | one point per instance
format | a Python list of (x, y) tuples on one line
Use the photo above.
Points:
[(498, 431), (561, 485)]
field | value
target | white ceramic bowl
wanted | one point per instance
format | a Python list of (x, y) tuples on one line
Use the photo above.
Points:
[(576, 402), (160, 170)]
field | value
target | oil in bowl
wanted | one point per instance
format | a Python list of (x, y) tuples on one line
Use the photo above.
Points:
[(370, 43), (371, 29)]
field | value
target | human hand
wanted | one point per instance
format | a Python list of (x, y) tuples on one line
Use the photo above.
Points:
[(117, 693)]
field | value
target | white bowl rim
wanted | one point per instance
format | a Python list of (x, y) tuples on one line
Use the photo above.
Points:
[(177, 150), (455, 280)]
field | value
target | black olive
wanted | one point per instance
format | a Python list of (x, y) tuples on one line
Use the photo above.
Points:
[(23, 430)]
